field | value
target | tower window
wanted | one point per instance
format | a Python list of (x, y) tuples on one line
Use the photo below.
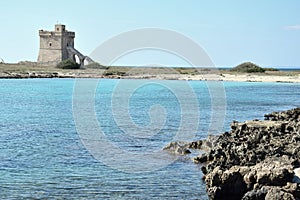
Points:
[(67, 44), (50, 44), (57, 29)]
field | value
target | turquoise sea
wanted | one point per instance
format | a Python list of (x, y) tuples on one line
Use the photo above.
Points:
[(43, 157)]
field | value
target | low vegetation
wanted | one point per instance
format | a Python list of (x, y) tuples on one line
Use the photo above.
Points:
[(114, 72), (248, 67), (68, 64), (69, 68), (271, 69), (186, 70)]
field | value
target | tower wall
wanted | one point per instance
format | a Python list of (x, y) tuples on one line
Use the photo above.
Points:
[(54, 44)]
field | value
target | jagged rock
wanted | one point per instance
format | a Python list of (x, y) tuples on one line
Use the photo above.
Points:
[(277, 193), (208, 143), (183, 148), (237, 180), (258, 194), (254, 158), (290, 191), (177, 148), (289, 115), (196, 144), (226, 183), (201, 158)]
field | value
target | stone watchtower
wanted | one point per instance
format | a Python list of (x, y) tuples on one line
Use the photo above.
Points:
[(58, 45)]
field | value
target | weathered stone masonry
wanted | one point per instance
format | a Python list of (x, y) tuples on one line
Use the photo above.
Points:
[(58, 45)]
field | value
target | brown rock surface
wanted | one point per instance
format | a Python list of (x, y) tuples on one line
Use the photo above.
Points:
[(255, 160)]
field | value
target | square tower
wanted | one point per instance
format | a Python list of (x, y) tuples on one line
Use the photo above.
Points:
[(54, 44)]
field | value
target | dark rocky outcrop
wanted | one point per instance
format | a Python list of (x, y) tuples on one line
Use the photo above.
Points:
[(255, 160), (180, 148), (183, 148), (238, 180)]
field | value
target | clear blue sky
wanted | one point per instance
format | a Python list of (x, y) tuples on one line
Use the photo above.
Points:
[(231, 31)]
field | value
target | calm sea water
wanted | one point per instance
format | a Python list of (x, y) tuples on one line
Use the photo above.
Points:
[(42, 156)]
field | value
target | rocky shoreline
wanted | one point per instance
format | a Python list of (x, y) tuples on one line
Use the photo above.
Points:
[(14, 75), (255, 160), (24, 70), (212, 77), (153, 74)]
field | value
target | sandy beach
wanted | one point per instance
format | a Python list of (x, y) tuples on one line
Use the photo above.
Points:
[(224, 77)]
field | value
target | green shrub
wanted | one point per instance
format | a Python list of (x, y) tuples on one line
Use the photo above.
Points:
[(68, 64), (118, 73), (108, 73), (271, 69), (248, 67)]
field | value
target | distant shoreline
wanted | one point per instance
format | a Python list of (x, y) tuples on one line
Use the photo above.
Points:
[(23, 71)]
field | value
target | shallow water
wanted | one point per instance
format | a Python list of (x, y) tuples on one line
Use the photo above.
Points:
[(42, 156)]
